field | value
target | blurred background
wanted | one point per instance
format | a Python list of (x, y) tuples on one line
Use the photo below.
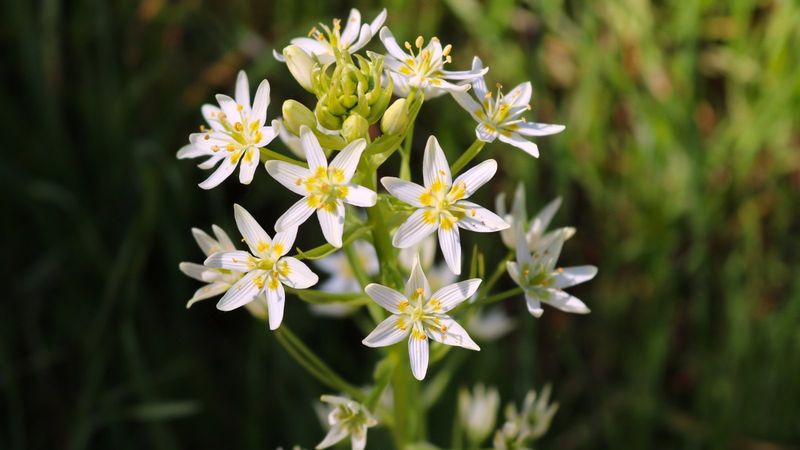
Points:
[(680, 168)]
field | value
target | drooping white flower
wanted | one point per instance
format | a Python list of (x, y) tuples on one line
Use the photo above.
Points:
[(350, 40), (419, 314), (542, 282), (530, 423), (347, 417), (425, 69), (442, 204), (477, 411), (238, 130), (536, 228), (490, 326), (342, 279), (217, 280), (501, 117), (324, 188), (266, 269)]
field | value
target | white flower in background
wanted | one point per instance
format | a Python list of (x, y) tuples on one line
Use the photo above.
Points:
[(265, 266), (438, 275), (425, 69), (501, 117), (324, 188), (420, 315), (350, 40), (218, 280), (347, 417), (478, 412), (442, 205), (237, 131), (542, 282), (536, 234), (490, 326), (529, 424), (342, 280)]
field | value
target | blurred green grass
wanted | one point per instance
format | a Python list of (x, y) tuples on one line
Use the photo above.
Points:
[(680, 166)]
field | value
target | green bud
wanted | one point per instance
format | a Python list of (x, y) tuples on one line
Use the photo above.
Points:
[(395, 119), (295, 114), (355, 127), (300, 65)]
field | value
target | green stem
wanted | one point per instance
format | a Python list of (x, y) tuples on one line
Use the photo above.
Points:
[(267, 155), (405, 154), (501, 296), (467, 156)]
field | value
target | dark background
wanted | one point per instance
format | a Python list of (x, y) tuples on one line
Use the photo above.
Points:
[(680, 167)]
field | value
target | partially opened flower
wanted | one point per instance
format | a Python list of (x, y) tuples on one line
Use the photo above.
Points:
[(542, 282), (325, 189), (265, 267), (490, 326), (535, 229), (347, 418), (350, 40), (501, 116), (238, 130), (477, 411), (442, 204), (424, 69), (419, 314), (217, 280), (341, 278), (528, 424)]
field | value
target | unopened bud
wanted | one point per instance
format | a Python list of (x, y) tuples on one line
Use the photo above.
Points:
[(395, 119), (355, 127), (295, 115), (300, 65)]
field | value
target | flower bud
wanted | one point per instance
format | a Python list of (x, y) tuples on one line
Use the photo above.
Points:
[(300, 65), (395, 119), (355, 127), (296, 115)]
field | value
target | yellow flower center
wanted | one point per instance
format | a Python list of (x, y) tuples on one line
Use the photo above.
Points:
[(325, 188)]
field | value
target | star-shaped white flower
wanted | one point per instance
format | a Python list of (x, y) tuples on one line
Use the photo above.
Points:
[(542, 282), (217, 280), (420, 315), (442, 204), (324, 188), (347, 417), (237, 131), (425, 69), (265, 267), (537, 235), (350, 40), (501, 117)]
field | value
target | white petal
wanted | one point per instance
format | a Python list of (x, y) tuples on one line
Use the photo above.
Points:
[(542, 220), (268, 134), (453, 334), (451, 295), (418, 355), (332, 224), (207, 291), (417, 281), (229, 108), (211, 114), (261, 103), (538, 129), (520, 95), (206, 243), (565, 302), (278, 56), (251, 231), (352, 27), (239, 261), (276, 299), (486, 132), (388, 298), (210, 162), (358, 438), (242, 94), (283, 241), (335, 434), (570, 276), (533, 304), (414, 229), (294, 216), (378, 22), (191, 151), (223, 171), (388, 332), (224, 241), (193, 270), (513, 271), (450, 244), (347, 159), (480, 219), (244, 291), (478, 84), (298, 275), (314, 154), (360, 196), (391, 44), (364, 37), (248, 165), (291, 176), (521, 143), (434, 164), (469, 104), (477, 176), (405, 191)]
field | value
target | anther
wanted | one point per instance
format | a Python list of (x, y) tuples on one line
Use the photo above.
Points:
[(419, 41)]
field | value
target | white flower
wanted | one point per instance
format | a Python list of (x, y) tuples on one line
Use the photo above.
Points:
[(347, 417), (537, 234), (265, 267), (237, 131), (527, 425), (490, 326), (217, 280), (350, 40), (442, 205), (478, 411), (342, 279), (324, 188), (542, 282), (420, 315), (425, 69), (501, 117)]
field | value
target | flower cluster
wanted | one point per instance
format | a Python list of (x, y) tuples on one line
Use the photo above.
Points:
[(379, 243)]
